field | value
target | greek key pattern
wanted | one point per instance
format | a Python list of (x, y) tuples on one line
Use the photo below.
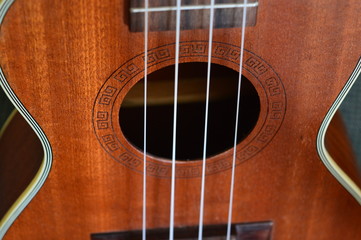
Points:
[(105, 113), (193, 49), (227, 52), (187, 171), (107, 95), (110, 142), (129, 161), (276, 110), (158, 55), (267, 133), (258, 67), (158, 169), (126, 72), (218, 166), (250, 151), (102, 120)]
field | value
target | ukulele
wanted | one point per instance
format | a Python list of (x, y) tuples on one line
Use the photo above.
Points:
[(182, 119)]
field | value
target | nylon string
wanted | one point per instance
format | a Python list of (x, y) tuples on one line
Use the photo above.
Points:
[(178, 13), (144, 223), (236, 123), (171, 221), (201, 207)]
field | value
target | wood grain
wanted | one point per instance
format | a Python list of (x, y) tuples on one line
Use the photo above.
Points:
[(56, 56)]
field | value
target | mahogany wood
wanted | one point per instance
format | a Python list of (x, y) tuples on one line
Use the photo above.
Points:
[(56, 55)]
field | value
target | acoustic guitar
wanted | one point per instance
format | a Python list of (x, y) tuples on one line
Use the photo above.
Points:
[(169, 119)]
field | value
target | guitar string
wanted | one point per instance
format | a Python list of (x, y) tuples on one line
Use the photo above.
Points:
[(236, 122), (171, 231), (201, 208), (144, 220), (171, 221), (194, 7)]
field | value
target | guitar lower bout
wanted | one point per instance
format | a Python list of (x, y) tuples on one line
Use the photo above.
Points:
[(75, 71)]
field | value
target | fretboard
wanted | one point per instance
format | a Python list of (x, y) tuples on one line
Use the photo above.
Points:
[(194, 14)]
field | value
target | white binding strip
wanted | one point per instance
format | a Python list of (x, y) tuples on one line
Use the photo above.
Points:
[(326, 158), (7, 122), (171, 221), (194, 7), (210, 40), (44, 169), (144, 213), (244, 17)]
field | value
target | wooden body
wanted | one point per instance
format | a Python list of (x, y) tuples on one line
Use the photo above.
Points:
[(56, 56)]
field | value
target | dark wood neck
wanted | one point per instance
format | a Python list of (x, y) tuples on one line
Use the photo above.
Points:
[(195, 14)]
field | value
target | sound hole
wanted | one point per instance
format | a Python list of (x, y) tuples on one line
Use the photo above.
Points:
[(191, 111)]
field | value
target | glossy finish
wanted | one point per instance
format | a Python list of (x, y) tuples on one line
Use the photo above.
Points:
[(68, 57)]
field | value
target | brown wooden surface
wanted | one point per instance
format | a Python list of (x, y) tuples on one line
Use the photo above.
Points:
[(21, 154), (57, 55)]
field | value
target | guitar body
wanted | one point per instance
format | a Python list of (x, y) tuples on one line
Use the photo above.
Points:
[(71, 63)]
